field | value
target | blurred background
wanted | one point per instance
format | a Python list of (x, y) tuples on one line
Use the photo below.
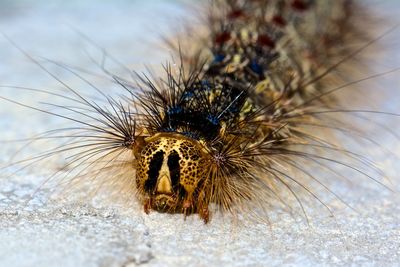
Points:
[(46, 233)]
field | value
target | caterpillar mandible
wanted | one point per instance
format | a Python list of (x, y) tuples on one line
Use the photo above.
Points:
[(228, 124)]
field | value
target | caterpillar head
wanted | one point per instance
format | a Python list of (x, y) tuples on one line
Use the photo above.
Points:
[(170, 171)]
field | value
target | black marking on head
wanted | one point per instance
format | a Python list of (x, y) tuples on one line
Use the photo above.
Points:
[(174, 169), (154, 171)]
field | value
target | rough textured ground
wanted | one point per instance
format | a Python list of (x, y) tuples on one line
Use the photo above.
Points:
[(44, 232)]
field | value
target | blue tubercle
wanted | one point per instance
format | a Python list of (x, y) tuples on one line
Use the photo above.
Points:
[(174, 110), (254, 66), (219, 58), (211, 118)]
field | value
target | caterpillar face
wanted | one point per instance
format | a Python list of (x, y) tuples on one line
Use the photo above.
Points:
[(170, 170)]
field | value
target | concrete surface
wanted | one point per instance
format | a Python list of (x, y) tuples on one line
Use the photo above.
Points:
[(68, 232)]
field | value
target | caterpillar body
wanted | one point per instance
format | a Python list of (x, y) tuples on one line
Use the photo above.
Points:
[(212, 134), (225, 127)]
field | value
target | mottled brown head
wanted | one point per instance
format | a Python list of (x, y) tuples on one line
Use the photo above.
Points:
[(170, 169)]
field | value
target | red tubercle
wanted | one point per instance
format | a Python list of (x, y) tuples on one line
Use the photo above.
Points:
[(236, 14), (265, 40), (327, 41), (279, 20), (299, 5), (222, 37)]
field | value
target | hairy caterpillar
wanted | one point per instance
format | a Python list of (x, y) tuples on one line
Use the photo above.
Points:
[(226, 128)]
